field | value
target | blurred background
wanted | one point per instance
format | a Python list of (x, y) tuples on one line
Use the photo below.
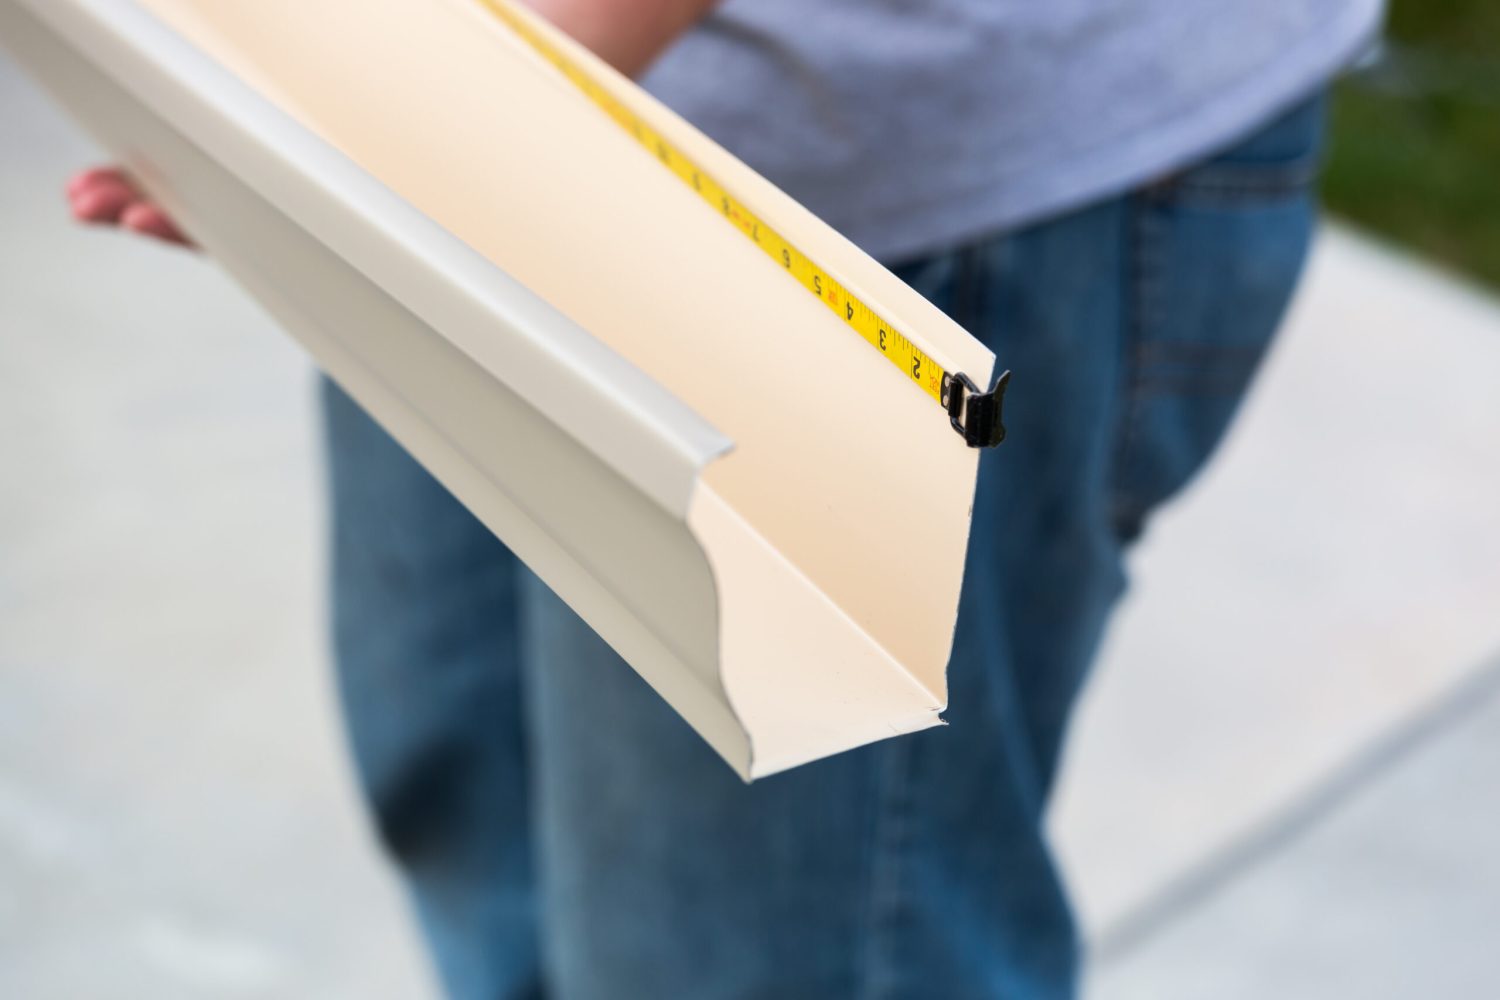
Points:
[(1283, 778), (1416, 139)]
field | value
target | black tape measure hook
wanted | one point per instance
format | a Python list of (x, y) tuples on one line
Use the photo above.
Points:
[(975, 415)]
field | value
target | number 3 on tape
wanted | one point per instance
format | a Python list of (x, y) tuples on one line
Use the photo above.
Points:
[(975, 414)]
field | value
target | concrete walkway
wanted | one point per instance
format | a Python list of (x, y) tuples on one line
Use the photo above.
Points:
[(1282, 782), (1334, 572)]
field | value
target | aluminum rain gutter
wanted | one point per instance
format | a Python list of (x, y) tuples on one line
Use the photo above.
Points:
[(518, 411), (764, 594)]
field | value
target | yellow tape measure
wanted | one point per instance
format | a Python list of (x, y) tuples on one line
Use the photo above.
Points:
[(974, 414)]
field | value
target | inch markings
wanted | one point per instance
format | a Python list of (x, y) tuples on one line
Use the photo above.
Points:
[(874, 328)]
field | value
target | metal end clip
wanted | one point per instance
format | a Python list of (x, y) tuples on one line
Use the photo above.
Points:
[(974, 414)]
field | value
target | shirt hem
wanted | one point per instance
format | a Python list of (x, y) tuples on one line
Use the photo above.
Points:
[(1108, 170)]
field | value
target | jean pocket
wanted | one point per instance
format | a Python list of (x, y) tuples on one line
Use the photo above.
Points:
[(1279, 161), (1215, 253)]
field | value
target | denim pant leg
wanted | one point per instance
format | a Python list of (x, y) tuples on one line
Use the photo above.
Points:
[(427, 651), (917, 867), (910, 868)]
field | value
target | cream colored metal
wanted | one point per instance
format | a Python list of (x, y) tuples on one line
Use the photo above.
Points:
[(777, 552)]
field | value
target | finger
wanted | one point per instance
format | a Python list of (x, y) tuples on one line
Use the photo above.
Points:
[(144, 217), (86, 179), (103, 202)]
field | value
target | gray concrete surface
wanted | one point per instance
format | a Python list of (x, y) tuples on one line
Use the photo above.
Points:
[(1390, 891), (1336, 569), (176, 813)]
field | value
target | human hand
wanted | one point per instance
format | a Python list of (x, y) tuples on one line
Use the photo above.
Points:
[(105, 196)]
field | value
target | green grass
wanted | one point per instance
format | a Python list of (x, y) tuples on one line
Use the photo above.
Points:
[(1416, 151)]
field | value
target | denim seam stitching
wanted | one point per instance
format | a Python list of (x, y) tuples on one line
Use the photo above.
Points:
[(969, 288), (1162, 351), (886, 898), (1213, 180), (1141, 270), (1194, 387), (1191, 197)]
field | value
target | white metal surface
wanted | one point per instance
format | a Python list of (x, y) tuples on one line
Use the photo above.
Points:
[(609, 435), (589, 469)]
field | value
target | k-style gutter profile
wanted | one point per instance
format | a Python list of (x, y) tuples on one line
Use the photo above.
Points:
[(589, 468)]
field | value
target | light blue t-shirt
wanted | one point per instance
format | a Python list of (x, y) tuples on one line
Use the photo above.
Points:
[(913, 125)]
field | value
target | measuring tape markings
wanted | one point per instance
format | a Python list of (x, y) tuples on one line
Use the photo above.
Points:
[(956, 392)]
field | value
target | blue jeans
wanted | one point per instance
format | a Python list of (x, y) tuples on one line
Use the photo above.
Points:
[(565, 834)]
